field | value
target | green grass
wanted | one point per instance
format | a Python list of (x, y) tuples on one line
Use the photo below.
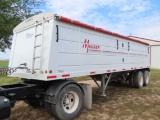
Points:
[(155, 74), (8, 80), (3, 63)]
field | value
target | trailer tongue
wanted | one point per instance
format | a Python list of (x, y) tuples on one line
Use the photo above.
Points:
[(10, 93), (48, 51)]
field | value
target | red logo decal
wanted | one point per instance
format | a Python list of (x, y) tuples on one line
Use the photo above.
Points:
[(89, 46)]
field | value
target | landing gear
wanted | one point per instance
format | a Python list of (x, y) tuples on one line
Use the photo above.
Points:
[(137, 79), (105, 79)]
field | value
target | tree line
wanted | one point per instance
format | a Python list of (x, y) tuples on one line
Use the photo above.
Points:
[(12, 12)]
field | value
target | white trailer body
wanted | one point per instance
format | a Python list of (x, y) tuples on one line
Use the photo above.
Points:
[(48, 48), (54, 47)]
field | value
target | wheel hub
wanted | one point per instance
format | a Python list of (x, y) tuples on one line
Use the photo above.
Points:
[(70, 102), (67, 101)]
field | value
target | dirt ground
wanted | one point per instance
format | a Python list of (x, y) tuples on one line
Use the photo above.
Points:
[(121, 103)]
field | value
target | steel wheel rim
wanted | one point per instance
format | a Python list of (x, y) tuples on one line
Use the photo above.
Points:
[(141, 81), (70, 102)]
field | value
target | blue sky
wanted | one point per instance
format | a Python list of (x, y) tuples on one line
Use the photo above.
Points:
[(137, 17)]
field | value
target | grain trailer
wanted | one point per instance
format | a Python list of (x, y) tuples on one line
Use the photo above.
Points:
[(48, 51)]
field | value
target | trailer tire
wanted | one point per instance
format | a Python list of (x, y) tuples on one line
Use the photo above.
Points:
[(146, 77), (138, 79), (69, 102), (131, 79)]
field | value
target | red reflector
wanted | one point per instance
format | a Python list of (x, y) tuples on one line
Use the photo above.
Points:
[(114, 70), (108, 70), (66, 75), (92, 72), (50, 77), (123, 69)]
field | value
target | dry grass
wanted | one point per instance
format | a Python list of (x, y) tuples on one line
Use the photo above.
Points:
[(121, 103), (125, 103)]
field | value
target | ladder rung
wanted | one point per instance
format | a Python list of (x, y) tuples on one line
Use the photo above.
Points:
[(38, 35), (37, 46), (38, 24), (37, 57)]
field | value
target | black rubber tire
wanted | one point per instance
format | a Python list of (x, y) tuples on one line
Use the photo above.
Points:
[(33, 102), (58, 109), (146, 77), (138, 79), (131, 79)]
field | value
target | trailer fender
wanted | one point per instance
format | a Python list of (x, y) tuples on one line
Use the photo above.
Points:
[(5, 107), (53, 90)]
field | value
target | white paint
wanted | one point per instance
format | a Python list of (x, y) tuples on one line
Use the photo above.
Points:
[(78, 52)]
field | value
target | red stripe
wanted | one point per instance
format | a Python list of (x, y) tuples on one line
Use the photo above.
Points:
[(92, 72), (66, 75), (67, 20), (114, 70), (50, 77), (108, 70), (123, 69)]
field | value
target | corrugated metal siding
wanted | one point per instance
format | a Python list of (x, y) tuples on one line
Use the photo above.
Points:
[(155, 51), (155, 57)]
